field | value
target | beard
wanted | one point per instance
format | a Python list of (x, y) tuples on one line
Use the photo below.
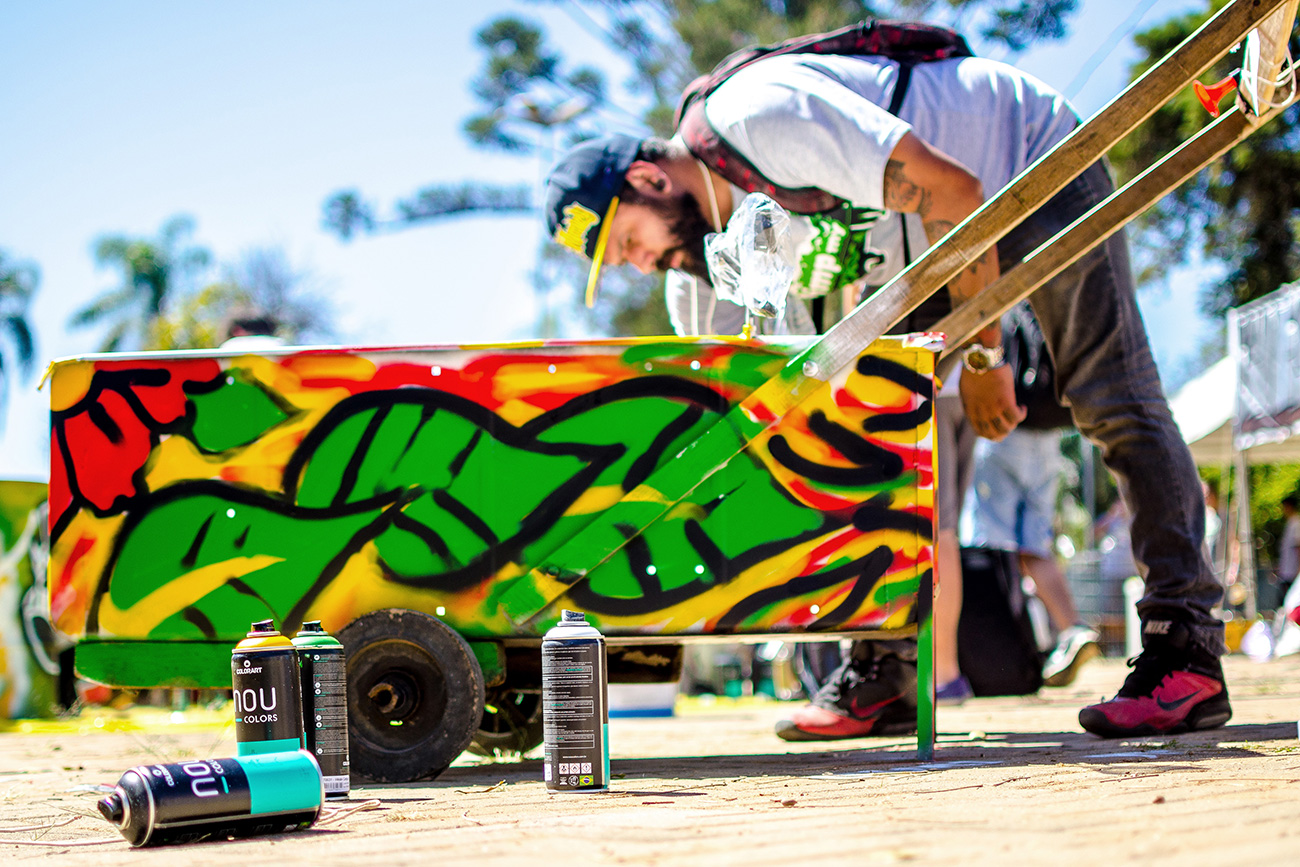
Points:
[(686, 222)]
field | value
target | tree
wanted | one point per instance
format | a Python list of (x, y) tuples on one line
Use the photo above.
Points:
[(1241, 212), (523, 87), (153, 272), (261, 283), (18, 283)]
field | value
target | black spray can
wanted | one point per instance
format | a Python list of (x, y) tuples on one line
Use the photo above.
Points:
[(575, 706), (325, 704), (215, 799), (268, 694)]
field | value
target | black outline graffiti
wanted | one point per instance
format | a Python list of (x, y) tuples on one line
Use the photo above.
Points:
[(872, 464)]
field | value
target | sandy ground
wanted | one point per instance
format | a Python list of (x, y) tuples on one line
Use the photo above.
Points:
[(1014, 781)]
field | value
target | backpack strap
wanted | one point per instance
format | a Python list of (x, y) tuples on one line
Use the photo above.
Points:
[(900, 87), (703, 141)]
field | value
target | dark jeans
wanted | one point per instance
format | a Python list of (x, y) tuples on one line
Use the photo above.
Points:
[(1107, 375)]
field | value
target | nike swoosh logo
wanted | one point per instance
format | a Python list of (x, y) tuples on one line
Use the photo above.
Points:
[(1176, 703), (864, 713)]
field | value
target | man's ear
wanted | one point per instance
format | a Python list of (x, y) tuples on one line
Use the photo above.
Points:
[(648, 178)]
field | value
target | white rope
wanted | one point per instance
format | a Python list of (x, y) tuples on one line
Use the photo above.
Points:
[(713, 197), (695, 306), (1286, 77), (695, 283)]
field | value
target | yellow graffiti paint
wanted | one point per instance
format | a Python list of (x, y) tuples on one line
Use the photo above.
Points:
[(333, 366), (595, 500), (71, 384), (142, 617), (361, 588), (74, 582), (519, 412), (259, 464)]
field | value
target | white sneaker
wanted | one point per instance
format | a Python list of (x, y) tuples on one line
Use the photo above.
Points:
[(1075, 646)]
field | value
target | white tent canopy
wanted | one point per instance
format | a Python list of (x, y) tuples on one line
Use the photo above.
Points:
[(1245, 409), (1203, 410)]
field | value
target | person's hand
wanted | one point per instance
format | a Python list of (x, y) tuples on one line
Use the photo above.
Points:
[(990, 402)]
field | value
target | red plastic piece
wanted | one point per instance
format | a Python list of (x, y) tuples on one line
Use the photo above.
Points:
[(1210, 96)]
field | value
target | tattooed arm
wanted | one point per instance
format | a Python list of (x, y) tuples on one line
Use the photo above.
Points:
[(943, 192)]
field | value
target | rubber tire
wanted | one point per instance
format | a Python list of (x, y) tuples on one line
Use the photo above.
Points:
[(514, 727), (411, 669)]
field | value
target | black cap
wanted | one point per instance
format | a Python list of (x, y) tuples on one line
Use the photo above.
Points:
[(582, 195), (111, 808)]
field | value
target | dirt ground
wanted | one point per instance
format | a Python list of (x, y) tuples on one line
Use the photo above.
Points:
[(1013, 781)]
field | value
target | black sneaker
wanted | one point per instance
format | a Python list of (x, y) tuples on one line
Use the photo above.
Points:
[(873, 693), (1175, 686)]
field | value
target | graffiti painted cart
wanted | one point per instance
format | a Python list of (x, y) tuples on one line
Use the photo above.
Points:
[(438, 507)]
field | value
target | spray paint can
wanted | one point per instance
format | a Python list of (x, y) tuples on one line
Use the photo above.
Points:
[(215, 799), (575, 706), (268, 694), (325, 704)]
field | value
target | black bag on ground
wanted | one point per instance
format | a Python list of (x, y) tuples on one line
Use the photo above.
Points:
[(996, 647)]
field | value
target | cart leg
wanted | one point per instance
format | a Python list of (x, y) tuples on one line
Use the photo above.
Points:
[(925, 669)]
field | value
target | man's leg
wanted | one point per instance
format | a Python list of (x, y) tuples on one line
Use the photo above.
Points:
[(1052, 587), (874, 692), (956, 443), (1076, 642), (947, 607), (1107, 374)]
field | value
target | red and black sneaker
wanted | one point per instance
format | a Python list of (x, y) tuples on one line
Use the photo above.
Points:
[(1175, 686), (872, 694)]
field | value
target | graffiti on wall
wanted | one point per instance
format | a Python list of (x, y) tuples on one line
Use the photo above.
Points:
[(192, 494), (29, 648)]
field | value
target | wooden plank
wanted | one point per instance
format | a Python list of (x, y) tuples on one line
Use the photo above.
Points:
[(1104, 220), (1108, 217)]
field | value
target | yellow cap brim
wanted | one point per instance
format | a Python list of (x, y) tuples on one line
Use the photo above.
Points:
[(598, 256)]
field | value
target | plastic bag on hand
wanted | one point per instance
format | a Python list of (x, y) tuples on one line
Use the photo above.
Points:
[(752, 262)]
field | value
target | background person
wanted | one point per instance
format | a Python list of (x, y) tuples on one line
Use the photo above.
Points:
[(249, 332), (1011, 504)]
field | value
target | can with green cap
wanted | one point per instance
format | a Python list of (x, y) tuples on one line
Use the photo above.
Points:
[(323, 667), (267, 692), (575, 706)]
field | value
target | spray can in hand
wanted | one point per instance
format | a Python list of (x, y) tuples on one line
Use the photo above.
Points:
[(575, 706), (267, 692), (215, 799), (325, 704)]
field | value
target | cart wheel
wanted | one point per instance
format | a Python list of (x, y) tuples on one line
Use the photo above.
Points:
[(415, 695), (512, 722)]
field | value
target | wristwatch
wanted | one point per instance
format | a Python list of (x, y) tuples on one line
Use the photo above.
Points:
[(982, 359)]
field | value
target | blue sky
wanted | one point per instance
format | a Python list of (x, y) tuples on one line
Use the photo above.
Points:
[(247, 116)]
